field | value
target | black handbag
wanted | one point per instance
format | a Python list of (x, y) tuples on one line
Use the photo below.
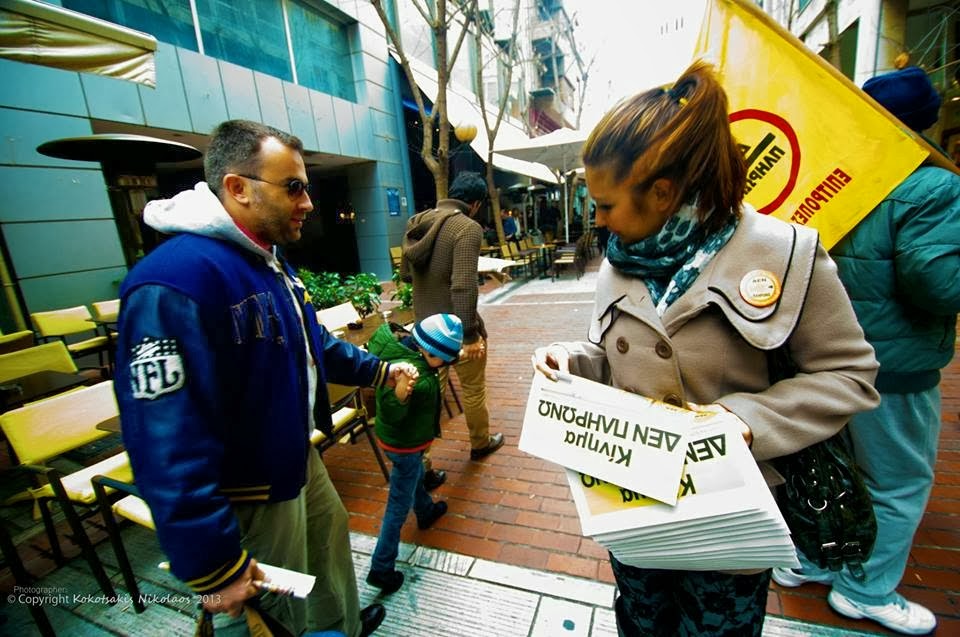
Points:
[(824, 499)]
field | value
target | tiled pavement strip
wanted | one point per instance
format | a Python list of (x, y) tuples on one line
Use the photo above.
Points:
[(445, 595), (507, 559)]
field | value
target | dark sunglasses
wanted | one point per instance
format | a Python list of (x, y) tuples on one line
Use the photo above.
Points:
[(294, 187)]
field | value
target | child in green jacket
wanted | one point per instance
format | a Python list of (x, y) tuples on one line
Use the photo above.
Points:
[(407, 422)]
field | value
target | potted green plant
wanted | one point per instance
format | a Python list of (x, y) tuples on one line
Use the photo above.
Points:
[(402, 291), (327, 289), (363, 290)]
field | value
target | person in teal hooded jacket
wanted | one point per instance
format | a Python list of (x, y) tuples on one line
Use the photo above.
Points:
[(407, 422), (901, 268)]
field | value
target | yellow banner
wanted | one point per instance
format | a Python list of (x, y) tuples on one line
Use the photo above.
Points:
[(819, 151)]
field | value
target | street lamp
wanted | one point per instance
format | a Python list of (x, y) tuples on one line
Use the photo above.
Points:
[(465, 132)]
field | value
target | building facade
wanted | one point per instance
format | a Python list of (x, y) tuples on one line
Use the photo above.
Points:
[(540, 92), (319, 70), (864, 38)]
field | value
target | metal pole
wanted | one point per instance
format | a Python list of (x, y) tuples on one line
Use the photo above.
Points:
[(10, 295)]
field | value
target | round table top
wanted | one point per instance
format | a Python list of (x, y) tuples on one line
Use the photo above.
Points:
[(114, 147)]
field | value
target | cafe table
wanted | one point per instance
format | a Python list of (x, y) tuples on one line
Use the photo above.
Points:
[(370, 324), (489, 266)]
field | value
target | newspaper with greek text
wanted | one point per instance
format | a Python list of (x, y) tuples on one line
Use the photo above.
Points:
[(617, 436), (725, 518)]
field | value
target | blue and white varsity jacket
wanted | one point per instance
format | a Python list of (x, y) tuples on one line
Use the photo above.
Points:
[(221, 375)]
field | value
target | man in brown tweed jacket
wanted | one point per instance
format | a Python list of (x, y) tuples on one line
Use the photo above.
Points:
[(440, 251)]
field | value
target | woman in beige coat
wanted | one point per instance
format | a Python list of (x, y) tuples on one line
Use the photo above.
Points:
[(697, 287)]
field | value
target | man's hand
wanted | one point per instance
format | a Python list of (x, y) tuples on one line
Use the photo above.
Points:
[(398, 370), (231, 599), (473, 351)]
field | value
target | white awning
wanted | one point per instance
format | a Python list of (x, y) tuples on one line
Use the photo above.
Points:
[(41, 33), (462, 107)]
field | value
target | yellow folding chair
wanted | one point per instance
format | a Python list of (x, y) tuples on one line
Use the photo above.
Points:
[(349, 420), (53, 356), (16, 341), (130, 507), (41, 431), (69, 324), (510, 249), (105, 314), (106, 310), (396, 255)]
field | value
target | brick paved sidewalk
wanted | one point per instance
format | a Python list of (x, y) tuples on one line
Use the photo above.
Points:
[(516, 509)]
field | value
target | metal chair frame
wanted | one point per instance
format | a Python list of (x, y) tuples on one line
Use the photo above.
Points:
[(36, 447), (355, 423), (68, 322), (108, 509)]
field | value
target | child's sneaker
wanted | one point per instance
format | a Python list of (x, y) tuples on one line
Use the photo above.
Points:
[(387, 581), (425, 522)]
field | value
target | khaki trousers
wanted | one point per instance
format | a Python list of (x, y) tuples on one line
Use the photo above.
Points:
[(309, 534), (473, 395)]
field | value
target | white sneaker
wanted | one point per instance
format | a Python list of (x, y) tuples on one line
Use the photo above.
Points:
[(902, 615), (792, 578)]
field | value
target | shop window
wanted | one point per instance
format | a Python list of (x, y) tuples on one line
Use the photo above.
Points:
[(321, 46), (166, 20), (249, 34)]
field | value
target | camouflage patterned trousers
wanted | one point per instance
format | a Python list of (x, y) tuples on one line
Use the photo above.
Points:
[(658, 603)]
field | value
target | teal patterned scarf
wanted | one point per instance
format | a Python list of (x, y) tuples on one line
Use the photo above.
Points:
[(671, 260)]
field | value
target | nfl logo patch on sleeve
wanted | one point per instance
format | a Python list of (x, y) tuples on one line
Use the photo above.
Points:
[(156, 367)]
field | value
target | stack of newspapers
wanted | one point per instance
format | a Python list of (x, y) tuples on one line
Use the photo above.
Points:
[(659, 486)]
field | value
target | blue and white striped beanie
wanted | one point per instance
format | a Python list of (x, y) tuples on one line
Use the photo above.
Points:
[(441, 335)]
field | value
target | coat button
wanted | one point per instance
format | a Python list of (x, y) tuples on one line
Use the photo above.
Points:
[(663, 349), (673, 399), (622, 345)]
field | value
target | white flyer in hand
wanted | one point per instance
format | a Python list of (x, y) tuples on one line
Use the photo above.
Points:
[(294, 582), (622, 438)]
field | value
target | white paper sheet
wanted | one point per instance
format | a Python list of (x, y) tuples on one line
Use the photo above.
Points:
[(619, 437), (297, 583), (725, 519)]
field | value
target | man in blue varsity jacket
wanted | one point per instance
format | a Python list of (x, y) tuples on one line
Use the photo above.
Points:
[(222, 370)]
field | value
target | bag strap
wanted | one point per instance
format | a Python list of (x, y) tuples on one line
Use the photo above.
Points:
[(780, 364), (259, 622)]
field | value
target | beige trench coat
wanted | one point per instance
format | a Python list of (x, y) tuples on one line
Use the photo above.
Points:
[(709, 345)]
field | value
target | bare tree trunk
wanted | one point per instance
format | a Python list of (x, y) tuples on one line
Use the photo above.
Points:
[(509, 61), (442, 176), (582, 69), (437, 19)]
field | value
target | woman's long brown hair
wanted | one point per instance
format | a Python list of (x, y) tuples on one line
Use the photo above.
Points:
[(681, 133)]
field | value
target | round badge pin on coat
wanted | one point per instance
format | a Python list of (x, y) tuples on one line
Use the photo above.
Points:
[(760, 288)]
